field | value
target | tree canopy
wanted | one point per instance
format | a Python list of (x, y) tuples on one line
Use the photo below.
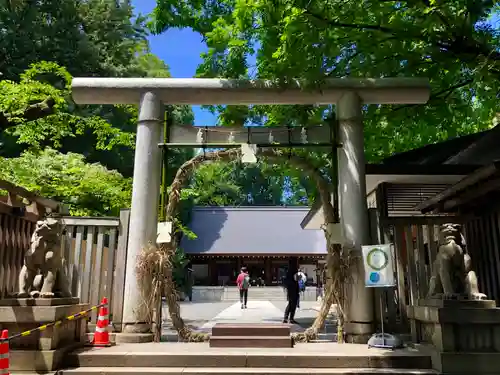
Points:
[(46, 43), (88, 189), (237, 184), (88, 37), (43, 45), (449, 42)]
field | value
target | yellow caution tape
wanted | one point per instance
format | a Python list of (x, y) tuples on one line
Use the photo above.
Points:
[(81, 314)]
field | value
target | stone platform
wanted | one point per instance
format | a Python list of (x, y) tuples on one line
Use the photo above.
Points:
[(463, 336), (41, 351), (199, 358)]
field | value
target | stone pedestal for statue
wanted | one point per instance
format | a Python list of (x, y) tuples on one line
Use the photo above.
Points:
[(464, 335), (42, 351)]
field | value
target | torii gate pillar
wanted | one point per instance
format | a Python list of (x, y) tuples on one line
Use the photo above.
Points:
[(354, 212), (144, 206)]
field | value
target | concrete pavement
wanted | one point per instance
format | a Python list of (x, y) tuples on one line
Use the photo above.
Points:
[(202, 316)]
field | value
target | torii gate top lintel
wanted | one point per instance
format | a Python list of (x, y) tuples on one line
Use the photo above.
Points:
[(206, 91)]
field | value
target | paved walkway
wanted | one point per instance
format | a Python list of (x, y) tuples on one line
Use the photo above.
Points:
[(202, 316), (256, 312)]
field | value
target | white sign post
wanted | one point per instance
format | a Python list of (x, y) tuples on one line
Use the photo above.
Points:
[(379, 273)]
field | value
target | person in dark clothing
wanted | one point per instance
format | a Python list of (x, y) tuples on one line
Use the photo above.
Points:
[(292, 291)]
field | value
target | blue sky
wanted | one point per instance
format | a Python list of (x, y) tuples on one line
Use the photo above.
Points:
[(181, 50)]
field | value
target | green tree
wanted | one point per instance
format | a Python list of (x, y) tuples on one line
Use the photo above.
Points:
[(88, 189), (237, 184), (212, 185), (39, 114), (89, 38), (449, 42)]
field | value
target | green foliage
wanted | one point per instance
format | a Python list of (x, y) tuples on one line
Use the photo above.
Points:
[(236, 184), (179, 263), (89, 37), (47, 80), (43, 45), (88, 189), (449, 42), (212, 185)]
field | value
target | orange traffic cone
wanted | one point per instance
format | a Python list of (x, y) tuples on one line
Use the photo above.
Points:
[(101, 335), (4, 353)]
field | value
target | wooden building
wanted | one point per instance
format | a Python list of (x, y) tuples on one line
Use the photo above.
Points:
[(259, 238)]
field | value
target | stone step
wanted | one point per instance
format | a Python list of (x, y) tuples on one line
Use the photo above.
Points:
[(253, 293), (172, 336), (249, 329), (251, 342), (258, 292), (302, 356), (240, 371), (264, 298)]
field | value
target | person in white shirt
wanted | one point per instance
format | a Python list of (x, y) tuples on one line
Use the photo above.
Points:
[(302, 278), (301, 274)]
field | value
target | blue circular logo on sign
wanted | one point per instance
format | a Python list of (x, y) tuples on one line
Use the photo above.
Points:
[(374, 277)]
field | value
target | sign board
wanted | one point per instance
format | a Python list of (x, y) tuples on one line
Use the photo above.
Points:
[(164, 232), (379, 266)]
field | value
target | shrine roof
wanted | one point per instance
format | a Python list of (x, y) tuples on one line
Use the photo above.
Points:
[(476, 149), (252, 230)]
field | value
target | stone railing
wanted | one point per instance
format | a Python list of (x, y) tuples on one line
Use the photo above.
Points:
[(464, 335)]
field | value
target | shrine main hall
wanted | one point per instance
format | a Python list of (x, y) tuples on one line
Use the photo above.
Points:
[(263, 239)]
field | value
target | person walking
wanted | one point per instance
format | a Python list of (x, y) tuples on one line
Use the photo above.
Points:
[(292, 289), (243, 282)]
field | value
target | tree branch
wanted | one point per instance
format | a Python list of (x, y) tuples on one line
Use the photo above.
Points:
[(437, 95), (33, 112), (452, 88), (380, 28), (459, 45)]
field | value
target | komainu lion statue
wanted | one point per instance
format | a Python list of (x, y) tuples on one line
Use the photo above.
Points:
[(452, 275), (43, 274)]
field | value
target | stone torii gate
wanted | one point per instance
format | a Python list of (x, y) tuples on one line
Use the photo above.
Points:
[(349, 95)]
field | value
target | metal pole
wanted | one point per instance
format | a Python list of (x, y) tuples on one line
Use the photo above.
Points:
[(167, 125), (382, 319)]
